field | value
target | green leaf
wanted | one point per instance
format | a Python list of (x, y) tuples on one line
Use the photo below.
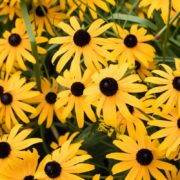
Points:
[(143, 22), (30, 32)]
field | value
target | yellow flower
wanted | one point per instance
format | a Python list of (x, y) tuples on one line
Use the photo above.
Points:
[(169, 130), (168, 85), (110, 90), (53, 15), (132, 126), (14, 93), (15, 46), (11, 146), (81, 43), (73, 96), (162, 5), (92, 5), (142, 70), (131, 46), (124, 125), (62, 139), (64, 163), (47, 99), (23, 168), (140, 156), (10, 8)]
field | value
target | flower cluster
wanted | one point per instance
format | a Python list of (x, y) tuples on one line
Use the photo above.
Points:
[(89, 90)]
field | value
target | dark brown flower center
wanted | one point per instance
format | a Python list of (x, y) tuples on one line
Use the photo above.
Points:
[(144, 157), (176, 83), (14, 39), (29, 177), (6, 98), (39, 11), (77, 88), (5, 150), (130, 41), (81, 38), (178, 123), (1, 90), (52, 169), (108, 86), (51, 97)]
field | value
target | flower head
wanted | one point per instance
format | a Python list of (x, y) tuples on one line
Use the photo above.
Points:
[(14, 93), (10, 8), (162, 5), (169, 130), (23, 168), (46, 15), (15, 47), (140, 156), (64, 163), (46, 103), (110, 89), (131, 46), (168, 85), (81, 43), (73, 96), (13, 144)]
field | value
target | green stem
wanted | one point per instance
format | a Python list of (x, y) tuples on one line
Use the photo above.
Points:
[(55, 132), (44, 12), (166, 34), (177, 28), (37, 70), (42, 134), (165, 27)]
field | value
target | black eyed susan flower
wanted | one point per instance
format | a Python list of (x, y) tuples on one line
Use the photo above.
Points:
[(15, 47), (131, 126), (169, 130), (81, 43), (10, 8), (132, 46), (63, 138), (46, 103), (14, 93), (45, 15), (110, 90), (92, 6), (63, 163), (12, 144), (168, 85), (23, 168), (73, 97), (162, 5), (140, 156), (142, 70)]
